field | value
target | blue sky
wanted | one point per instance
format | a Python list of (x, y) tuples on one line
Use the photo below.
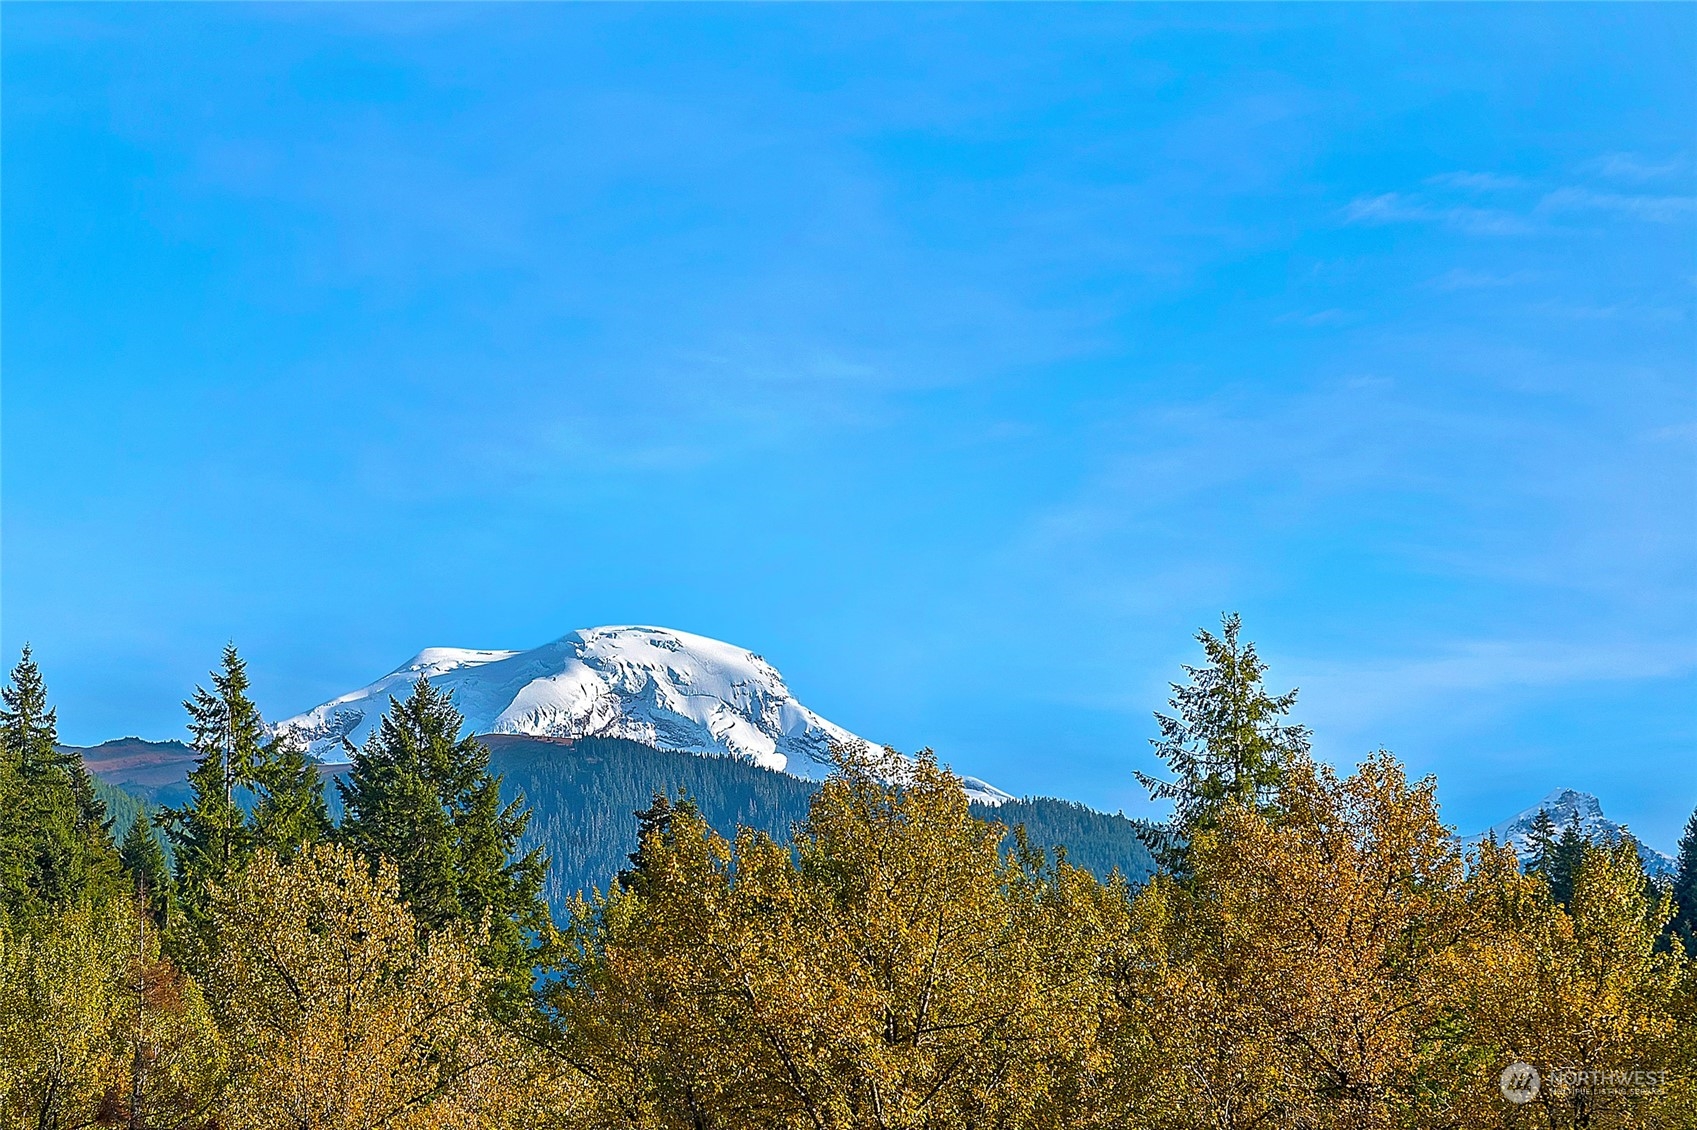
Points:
[(960, 360)]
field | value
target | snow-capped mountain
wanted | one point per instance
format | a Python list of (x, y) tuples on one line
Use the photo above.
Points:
[(671, 690), (1564, 805)]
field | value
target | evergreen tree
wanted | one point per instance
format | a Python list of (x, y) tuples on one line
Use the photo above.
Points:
[(30, 729), (653, 824), (55, 845), (144, 858), (17, 829), (16, 851), (1542, 845), (1564, 864), (422, 797), (1225, 743), (291, 812), (1684, 926), (210, 835)]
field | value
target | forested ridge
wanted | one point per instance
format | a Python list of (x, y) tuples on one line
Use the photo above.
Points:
[(1316, 949), (584, 796)]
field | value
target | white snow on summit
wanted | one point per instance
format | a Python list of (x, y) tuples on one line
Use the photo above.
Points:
[(671, 690), (1564, 806)]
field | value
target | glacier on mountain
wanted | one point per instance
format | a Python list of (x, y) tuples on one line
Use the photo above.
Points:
[(668, 689)]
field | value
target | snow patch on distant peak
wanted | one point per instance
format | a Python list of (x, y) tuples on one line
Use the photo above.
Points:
[(1566, 807), (669, 689), (434, 661)]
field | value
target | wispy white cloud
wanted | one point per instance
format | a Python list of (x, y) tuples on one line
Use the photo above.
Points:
[(1478, 182), (1462, 278), (1402, 208), (1635, 167), (1447, 199), (1613, 312), (1684, 431), (1638, 206), (1362, 690)]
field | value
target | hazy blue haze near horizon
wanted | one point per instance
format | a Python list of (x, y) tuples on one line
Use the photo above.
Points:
[(960, 360)]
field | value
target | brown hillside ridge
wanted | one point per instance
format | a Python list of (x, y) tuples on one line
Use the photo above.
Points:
[(146, 767), (140, 766), (137, 762)]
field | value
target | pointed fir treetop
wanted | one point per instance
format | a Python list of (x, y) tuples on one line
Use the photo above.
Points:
[(1684, 888), (1542, 843), (1565, 860), (210, 835), (144, 858), (291, 812), (224, 723), (653, 824), (29, 728), (421, 796), (1226, 741), (55, 843)]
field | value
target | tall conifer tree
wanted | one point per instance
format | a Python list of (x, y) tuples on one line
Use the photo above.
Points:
[(144, 858), (54, 841), (653, 824), (421, 796), (29, 728), (1685, 889), (1225, 743), (210, 834), (1565, 860), (291, 812), (1542, 845)]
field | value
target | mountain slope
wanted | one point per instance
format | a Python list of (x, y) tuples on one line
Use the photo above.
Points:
[(155, 771), (584, 795), (1564, 806), (666, 689)]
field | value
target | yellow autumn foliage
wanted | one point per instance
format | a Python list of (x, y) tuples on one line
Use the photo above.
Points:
[(897, 970), (1583, 993), (340, 1016), (96, 1027), (1329, 959)]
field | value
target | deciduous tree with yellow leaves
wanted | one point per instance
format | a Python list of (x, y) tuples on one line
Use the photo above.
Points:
[(1297, 977), (898, 969), (97, 1027), (1582, 992), (340, 1017)]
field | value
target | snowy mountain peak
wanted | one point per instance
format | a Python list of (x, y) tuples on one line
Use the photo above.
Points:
[(433, 661), (1565, 806), (665, 688)]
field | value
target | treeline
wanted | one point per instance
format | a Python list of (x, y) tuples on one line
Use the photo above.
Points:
[(583, 796), (276, 969), (1316, 951)]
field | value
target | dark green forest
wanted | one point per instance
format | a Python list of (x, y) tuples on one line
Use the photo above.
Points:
[(584, 796)]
